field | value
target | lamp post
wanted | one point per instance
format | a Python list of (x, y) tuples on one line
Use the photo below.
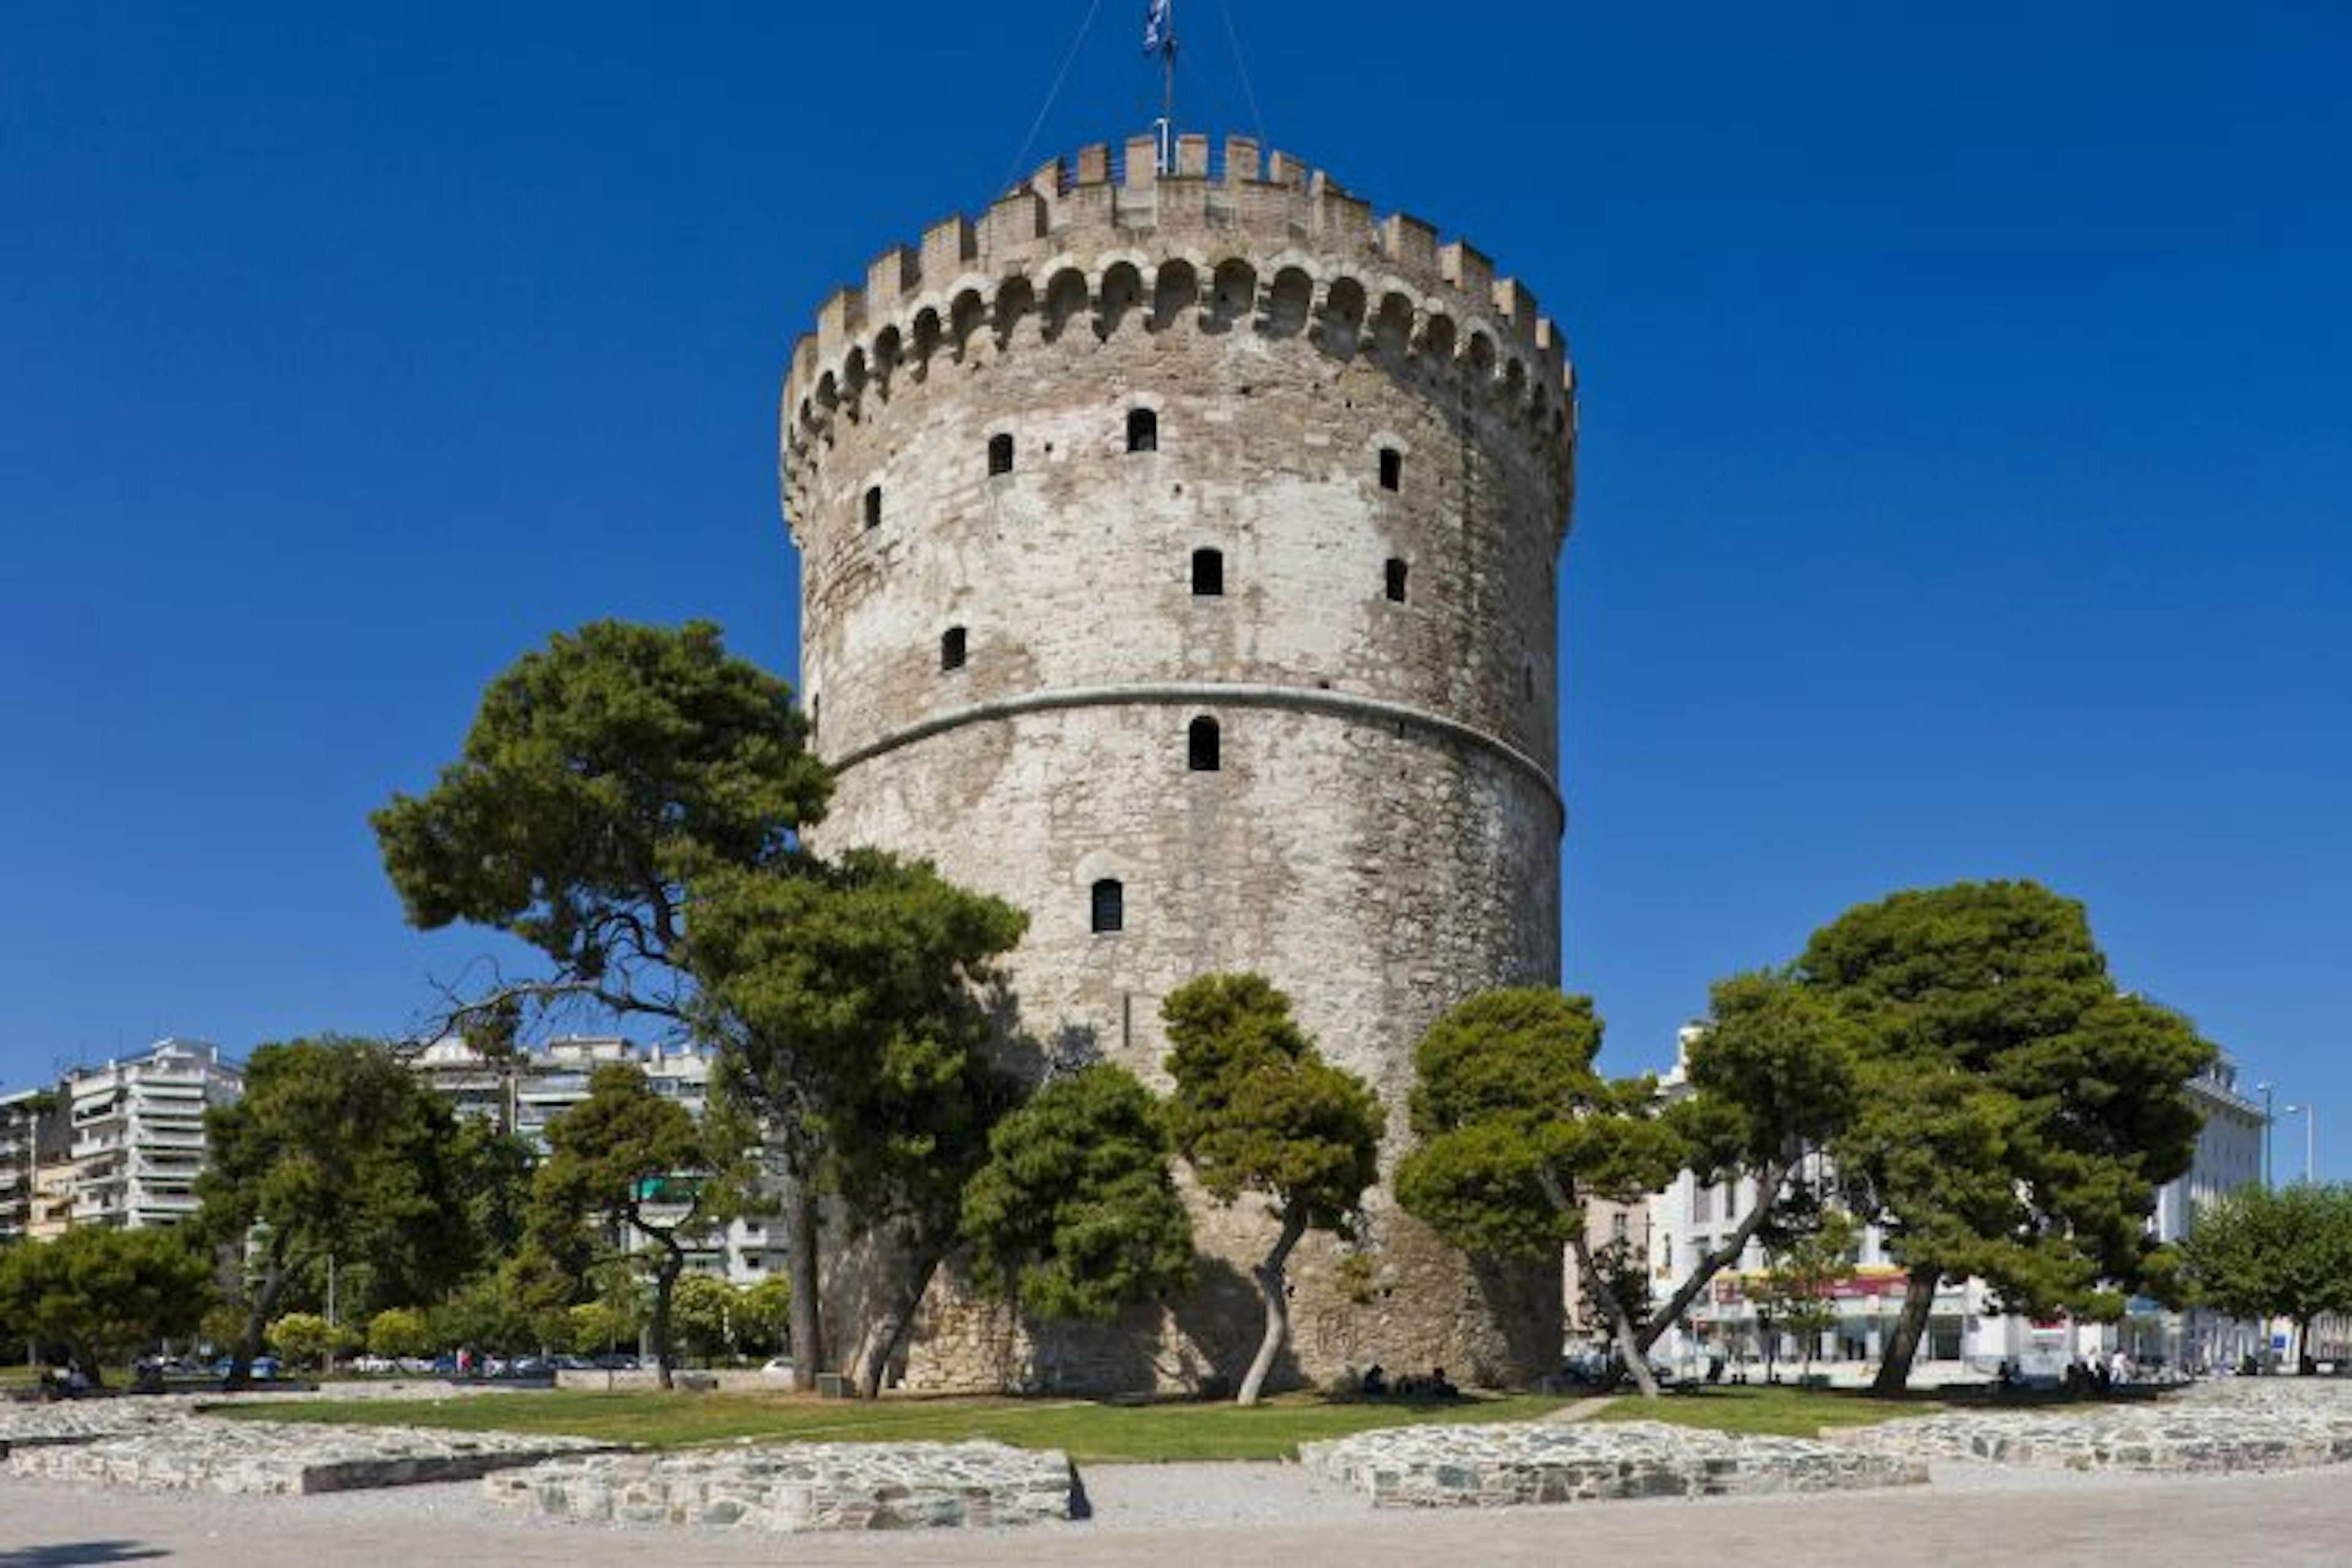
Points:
[(2310, 1114), (2265, 1090)]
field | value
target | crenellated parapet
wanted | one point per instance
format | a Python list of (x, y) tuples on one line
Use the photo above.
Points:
[(1108, 244)]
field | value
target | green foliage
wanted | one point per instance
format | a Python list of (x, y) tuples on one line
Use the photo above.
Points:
[(763, 1315), (336, 1149), (596, 1328), (1804, 1269), (1125, 1431), (855, 997), (1772, 1069), (1620, 1277), (1256, 1108), (2015, 1113), (703, 1315), (627, 1158), (399, 1331), (105, 1295), (1518, 1131), (1075, 1214), (599, 775), (2257, 1254), (304, 1339)]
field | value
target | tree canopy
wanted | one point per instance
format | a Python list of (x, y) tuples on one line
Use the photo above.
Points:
[(1257, 1110), (104, 1295), (1770, 1074), (599, 775), (2015, 1111), (1519, 1133), (1075, 1214), (860, 1005), (642, 1165), (2260, 1253), (336, 1149)]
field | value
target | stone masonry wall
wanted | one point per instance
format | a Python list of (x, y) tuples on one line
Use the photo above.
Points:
[(1381, 835)]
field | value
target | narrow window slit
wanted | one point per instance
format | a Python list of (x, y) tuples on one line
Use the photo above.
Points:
[(1200, 749), (1208, 573)]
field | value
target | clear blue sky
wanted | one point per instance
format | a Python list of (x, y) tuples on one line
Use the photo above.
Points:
[(1964, 452)]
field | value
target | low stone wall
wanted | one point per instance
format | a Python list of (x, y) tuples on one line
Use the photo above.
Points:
[(82, 1421), (1506, 1465), (793, 1487), (197, 1454), (2254, 1425)]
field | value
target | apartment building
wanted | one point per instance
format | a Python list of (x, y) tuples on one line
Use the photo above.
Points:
[(136, 1129)]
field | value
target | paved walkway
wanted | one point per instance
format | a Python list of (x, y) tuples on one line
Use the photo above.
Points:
[(1271, 1514)]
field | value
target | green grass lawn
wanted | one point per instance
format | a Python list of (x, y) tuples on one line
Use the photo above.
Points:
[(1088, 1431), (1776, 1409)]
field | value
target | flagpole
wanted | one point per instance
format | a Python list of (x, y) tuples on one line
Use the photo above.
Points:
[(1166, 18)]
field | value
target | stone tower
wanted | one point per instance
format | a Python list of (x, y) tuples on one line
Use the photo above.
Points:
[(1178, 564)]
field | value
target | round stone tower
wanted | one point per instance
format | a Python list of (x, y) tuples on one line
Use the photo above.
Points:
[(1178, 564)]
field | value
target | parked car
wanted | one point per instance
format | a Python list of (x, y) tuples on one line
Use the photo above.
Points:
[(781, 1368), (263, 1368)]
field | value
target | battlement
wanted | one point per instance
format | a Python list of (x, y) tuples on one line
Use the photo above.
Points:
[(1243, 233)]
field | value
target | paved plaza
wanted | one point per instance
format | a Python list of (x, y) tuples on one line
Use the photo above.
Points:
[(2249, 1473), (1232, 1513)]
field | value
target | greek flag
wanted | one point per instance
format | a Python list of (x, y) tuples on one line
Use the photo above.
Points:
[(1159, 26)]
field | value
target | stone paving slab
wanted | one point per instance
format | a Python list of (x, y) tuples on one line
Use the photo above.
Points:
[(197, 1454), (1518, 1463), (798, 1487)]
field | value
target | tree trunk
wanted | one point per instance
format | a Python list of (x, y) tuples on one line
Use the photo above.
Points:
[(1273, 1288), (84, 1360), (807, 1323), (891, 1333), (673, 1264), (1918, 1302), (1621, 1322), (256, 1323), (1769, 1183)]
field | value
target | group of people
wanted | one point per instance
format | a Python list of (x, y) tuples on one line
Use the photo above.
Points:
[(2082, 1377), (1375, 1384)]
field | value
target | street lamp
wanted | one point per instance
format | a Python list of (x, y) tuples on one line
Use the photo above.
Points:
[(2310, 1114), (2267, 1118)]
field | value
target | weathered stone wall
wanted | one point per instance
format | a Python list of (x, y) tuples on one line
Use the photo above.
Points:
[(797, 1487), (1510, 1464), (1381, 835)]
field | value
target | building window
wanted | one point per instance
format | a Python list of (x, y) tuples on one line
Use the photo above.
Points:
[(1201, 745), (1000, 454), (1142, 430), (874, 506), (951, 648), (1208, 573), (1396, 575), (1392, 469), (1110, 905)]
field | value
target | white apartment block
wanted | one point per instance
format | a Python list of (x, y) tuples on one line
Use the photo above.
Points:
[(137, 1131), (539, 1084)]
